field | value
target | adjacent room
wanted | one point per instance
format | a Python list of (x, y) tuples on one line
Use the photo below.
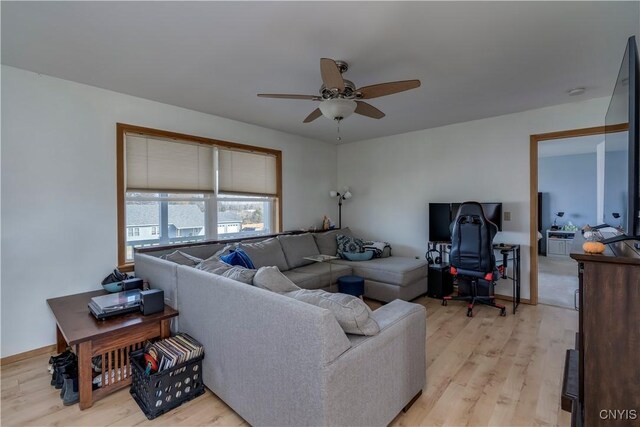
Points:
[(320, 213), (563, 166)]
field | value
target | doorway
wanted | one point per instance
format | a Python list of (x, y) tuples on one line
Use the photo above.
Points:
[(540, 220), (567, 201)]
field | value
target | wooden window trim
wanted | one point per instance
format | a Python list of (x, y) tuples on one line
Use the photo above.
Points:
[(122, 129)]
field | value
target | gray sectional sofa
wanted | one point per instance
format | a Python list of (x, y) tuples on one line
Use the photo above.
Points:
[(386, 278), (279, 361)]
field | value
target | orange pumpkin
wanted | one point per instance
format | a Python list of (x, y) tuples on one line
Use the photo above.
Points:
[(593, 247)]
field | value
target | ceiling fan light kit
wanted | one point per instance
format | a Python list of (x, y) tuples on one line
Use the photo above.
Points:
[(337, 108), (340, 98)]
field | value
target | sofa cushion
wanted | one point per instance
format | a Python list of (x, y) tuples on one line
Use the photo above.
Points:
[(181, 258), (352, 314), (349, 244), (326, 241), (394, 270), (238, 257), (322, 270), (241, 274), (296, 247), (214, 265), (305, 280), (272, 279), (266, 253)]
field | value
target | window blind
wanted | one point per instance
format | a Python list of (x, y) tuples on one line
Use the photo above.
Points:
[(163, 166), (247, 173)]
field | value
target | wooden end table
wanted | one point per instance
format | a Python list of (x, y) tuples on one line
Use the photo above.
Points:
[(113, 339)]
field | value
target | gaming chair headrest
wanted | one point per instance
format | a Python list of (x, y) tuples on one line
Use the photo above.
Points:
[(471, 241), (474, 209)]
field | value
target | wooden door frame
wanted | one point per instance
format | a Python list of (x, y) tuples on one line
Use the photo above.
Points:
[(533, 168)]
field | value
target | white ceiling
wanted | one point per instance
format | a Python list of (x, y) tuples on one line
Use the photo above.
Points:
[(474, 59)]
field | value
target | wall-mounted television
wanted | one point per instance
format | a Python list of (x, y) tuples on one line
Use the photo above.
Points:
[(622, 149), (441, 215)]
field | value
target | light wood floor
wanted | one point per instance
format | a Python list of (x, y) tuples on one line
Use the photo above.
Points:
[(485, 370)]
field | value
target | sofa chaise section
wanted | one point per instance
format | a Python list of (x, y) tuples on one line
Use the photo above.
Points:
[(386, 279)]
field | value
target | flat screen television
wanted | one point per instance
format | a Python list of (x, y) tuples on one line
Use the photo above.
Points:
[(441, 215), (622, 149)]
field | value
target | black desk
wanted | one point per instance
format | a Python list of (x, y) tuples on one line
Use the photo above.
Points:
[(511, 252)]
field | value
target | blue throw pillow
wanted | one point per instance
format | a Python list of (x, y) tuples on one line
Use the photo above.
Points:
[(238, 257), (358, 256)]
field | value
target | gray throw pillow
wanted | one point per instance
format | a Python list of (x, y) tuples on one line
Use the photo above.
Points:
[(266, 253), (296, 247), (326, 241), (214, 265), (352, 314), (181, 258), (270, 278), (241, 274)]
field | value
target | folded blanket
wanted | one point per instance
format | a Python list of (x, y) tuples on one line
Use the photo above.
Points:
[(376, 247)]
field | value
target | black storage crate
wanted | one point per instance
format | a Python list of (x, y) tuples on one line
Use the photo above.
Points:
[(161, 392)]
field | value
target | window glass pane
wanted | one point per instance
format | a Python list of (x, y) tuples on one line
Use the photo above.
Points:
[(186, 221), (142, 219), (154, 219), (244, 216)]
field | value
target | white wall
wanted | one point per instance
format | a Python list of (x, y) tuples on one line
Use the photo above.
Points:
[(394, 178), (59, 196)]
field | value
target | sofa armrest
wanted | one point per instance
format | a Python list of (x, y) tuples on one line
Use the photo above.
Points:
[(160, 274), (396, 310), (372, 381)]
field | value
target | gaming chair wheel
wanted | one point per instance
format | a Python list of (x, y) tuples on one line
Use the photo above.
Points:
[(469, 312), (503, 312), (444, 302)]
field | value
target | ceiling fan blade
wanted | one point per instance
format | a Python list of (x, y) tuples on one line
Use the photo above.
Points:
[(314, 115), (384, 89), (331, 75), (368, 110), (285, 96)]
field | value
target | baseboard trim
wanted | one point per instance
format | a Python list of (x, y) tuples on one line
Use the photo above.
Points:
[(47, 349), (510, 298)]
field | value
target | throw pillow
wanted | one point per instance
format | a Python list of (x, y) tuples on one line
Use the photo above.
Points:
[(327, 241), (241, 274), (270, 278), (358, 256), (348, 244), (352, 314), (214, 265), (265, 253), (296, 247), (238, 257), (224, 251), (181, 258)]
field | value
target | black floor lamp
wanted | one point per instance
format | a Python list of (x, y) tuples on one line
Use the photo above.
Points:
[(346, 194)]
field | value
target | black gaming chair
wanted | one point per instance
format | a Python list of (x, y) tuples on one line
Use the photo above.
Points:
[(473, 263)]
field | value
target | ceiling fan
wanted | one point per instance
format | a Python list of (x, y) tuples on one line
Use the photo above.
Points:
[(340, 98)]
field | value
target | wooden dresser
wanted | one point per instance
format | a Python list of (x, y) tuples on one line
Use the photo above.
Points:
[(601, 385)]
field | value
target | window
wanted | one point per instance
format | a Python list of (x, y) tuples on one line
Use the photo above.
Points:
[(240, 216), (176, 188)]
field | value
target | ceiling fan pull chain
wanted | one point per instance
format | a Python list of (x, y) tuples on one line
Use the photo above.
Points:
[(339, 138)]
